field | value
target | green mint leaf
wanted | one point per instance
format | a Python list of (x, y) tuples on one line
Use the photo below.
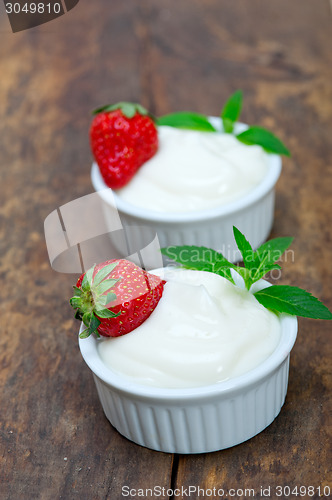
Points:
[(224, 270), (258, 273), (186, 120), (262, 137), (292, 300), (261, 266), (266, 256), (244, 247), (228, 126), (191, 257), (272, 250), (103, 273), (200, 259), (223, 267), (231, 111), (245, 274), (106, 313), (247, 256)]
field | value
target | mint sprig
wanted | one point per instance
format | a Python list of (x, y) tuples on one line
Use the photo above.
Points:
[(278, 298), (262, 137), (231, 111), (200, 259), (257, 264), (229, 116), (254, 134), (292, 300)]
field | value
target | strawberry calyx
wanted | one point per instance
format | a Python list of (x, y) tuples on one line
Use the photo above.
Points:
[(128, 109), (92, 297)]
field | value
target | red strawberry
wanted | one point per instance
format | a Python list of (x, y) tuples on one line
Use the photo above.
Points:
[(115, 297), (123, 137)]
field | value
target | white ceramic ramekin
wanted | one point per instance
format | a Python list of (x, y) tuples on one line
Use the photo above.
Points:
[(253, 214), (195, 420)]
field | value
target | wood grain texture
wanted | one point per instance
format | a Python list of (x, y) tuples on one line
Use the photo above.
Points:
[(170, 55), (55, 440)]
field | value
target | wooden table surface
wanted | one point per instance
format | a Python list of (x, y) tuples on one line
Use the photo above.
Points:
[(55, 442)]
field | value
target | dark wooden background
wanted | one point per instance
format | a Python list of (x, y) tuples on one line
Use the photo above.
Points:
[(55, 442)]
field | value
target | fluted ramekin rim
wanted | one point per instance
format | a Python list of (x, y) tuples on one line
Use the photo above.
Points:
[(110, 196), (289, 327)]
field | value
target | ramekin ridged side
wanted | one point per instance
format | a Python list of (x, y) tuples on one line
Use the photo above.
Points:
[(196, 427), (253, 214), (254, 221), (195, 420)]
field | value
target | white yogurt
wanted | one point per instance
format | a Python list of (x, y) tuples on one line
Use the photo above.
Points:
[(204, 330), (195, 170)]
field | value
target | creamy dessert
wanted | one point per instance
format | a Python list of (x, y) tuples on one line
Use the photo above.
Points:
[(194, 170), (204, 330), (207, 368)]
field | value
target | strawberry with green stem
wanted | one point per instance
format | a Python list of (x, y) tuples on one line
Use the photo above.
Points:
[(123, 137), (115, 297)]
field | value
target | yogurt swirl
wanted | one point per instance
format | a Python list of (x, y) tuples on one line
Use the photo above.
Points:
[(195, 170), (204, 331)]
